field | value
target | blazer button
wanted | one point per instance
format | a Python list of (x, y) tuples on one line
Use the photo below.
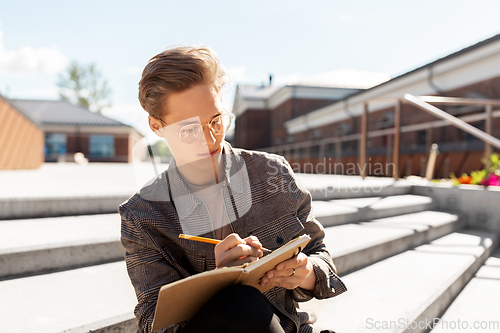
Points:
[(279, 240)]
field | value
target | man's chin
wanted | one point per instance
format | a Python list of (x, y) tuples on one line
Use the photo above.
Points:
[(202, 163)]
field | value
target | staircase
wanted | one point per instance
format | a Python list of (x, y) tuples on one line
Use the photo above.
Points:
[(402, 259)]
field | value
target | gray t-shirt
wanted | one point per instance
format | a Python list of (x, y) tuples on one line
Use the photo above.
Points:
[(213, 199)]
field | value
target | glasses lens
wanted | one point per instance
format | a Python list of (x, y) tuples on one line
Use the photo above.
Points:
[(221, 124), (190, 133)]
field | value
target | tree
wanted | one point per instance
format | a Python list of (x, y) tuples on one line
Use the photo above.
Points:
[(160, 149), (83, 85)]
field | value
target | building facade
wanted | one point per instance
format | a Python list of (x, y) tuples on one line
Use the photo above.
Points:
[(326, 138), (64, 129), (21, 139)]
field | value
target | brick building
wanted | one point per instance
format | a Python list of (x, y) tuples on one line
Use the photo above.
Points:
[(312, 133), (21, 139), (68, 129)]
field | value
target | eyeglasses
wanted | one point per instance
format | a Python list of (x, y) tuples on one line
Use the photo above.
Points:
[(191, 133)]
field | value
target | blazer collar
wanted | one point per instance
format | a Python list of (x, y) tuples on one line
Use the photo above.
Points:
[(236, 177)]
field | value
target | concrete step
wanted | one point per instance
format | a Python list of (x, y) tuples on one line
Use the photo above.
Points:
[(328, 187), (52, 206), (38, 245), (359, 244), (342, 211), (411, 287), (98, 298), (476, 307)]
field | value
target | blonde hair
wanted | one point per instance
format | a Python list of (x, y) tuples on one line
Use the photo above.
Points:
[(176, 69)]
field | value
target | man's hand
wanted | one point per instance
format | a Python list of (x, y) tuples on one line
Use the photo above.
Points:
[(292, 273), (235, 251)]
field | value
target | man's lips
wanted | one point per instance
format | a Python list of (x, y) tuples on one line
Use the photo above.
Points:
[(212, 153)]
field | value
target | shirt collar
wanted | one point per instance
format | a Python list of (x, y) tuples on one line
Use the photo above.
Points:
[(236, 176)]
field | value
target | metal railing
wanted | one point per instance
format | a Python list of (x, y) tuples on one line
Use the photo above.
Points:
[(422, 102)]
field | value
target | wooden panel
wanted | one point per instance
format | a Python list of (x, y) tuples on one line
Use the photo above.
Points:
[(21, 141)]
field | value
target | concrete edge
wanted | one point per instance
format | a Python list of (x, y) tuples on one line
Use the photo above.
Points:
[(363, 257), (437, 307), (38, 261)]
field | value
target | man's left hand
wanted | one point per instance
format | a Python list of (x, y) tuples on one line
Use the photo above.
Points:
[(292, 273)]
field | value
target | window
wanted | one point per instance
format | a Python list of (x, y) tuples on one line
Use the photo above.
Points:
[(55, 144), (102, 146), (314, 151), (469, 137), (422, 138), (329, 149)]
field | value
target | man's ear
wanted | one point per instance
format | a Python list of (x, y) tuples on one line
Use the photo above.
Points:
[(155, 126)]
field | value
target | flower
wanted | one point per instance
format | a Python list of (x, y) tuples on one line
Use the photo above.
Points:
[(491, 180), (465, 179)]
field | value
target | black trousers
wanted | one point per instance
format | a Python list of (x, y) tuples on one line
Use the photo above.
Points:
[(238, 308)]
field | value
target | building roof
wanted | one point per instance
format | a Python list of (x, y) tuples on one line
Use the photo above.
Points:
[(61, 113), (347, 78), (253, 92), (470, 65)]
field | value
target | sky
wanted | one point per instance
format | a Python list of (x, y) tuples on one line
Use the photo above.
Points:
[(288, 39)]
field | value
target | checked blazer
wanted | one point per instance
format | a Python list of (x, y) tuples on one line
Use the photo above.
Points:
[(272, 205)]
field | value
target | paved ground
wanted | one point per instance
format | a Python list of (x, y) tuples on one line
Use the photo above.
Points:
[(69, 179)]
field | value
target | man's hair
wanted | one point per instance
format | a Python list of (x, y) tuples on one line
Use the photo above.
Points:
[(176, 69)]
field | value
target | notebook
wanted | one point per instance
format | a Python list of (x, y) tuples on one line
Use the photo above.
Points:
[(180, 300)]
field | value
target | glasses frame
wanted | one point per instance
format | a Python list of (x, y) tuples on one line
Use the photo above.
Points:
[(202, 126)]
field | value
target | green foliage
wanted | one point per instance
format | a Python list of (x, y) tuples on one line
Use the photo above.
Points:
[(491, 167), (495, 162), (83, 85), (478, 176), (160, 148)]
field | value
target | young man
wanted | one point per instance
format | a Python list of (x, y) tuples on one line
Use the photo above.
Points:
[(247, 199)]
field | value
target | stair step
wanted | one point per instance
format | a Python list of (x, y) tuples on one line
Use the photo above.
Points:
[(359, 244), (47, 206), (328, 187), (342, 211), (477, 304), (414, 285), (77, 300), (37, 245)]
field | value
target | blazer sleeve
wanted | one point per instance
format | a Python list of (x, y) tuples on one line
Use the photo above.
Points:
[(148, 271), (328, 284)]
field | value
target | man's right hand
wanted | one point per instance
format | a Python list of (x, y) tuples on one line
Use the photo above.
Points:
[(235, 251)]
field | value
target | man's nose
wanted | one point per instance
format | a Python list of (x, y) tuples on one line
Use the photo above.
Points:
[(209, 136)]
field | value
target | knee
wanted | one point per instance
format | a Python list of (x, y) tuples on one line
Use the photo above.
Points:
[(242, 298), (238, 292)]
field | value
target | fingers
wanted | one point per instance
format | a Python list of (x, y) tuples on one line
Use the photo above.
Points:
[(253, 241), (298, 260), (233, 251), (229, 242), (283, 275)]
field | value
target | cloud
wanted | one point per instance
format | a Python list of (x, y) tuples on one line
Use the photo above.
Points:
[(286, 79), (131, 114), (237, 74), (134, 70), (29, 60), (345, 18)]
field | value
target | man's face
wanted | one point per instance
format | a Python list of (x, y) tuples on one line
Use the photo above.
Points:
[(196, 105)]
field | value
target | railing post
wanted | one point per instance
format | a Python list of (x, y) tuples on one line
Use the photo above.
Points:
[(321, 158), (395, 150), (429, 173), (488, 128), (362, 145)]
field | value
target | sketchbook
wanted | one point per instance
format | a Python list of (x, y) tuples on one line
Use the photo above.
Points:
[(180, 300)]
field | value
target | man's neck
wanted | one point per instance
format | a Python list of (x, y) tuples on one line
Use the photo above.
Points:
[(206, 177)]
